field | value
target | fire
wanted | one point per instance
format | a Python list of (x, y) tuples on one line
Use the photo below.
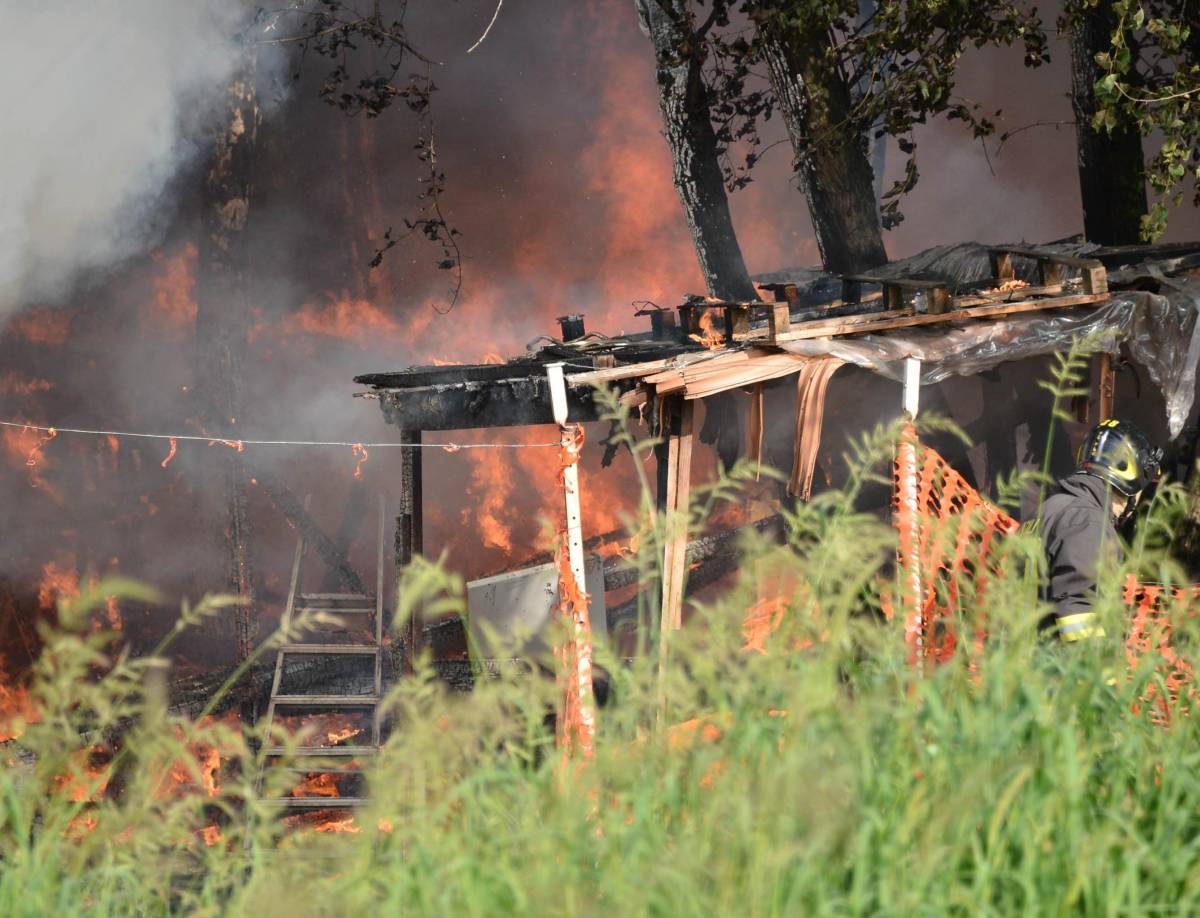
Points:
[(491, 487), (16, 709), (211, 835), (361, 454), (88, 776), (58, 583), (709, 336), (49, 327), (346, 318), (174, 305), (318, 784), (341, 734), (170, 452), (13, 383), (1013, 283), (333, 820)]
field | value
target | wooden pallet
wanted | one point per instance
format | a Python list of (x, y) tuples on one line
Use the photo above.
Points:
[(941, 306)]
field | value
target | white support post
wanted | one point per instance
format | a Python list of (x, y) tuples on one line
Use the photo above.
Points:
[(912, 386), (577, 718), (558, 402)]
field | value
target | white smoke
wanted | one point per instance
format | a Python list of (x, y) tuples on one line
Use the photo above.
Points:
[(103, 102)]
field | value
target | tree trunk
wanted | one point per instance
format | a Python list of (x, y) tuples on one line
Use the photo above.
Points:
[(1112, 167), (830, 153), (683, 101), (222, 323)]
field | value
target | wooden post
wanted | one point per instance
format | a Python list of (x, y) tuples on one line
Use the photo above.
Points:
[(678, 491), (780, 319), (1050, 271), (937, 300), (409, 533), (1106, 388), (1002, 267), (737, 323), (1095, 279)]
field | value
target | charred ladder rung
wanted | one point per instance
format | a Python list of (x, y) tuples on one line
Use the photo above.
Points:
[(333, 604)]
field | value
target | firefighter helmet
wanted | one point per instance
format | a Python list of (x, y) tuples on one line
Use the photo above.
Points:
[(1119, 453)]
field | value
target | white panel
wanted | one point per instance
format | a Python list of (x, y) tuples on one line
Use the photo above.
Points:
[(518, 607)]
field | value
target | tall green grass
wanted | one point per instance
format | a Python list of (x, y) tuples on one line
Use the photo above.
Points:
[(833, 780)]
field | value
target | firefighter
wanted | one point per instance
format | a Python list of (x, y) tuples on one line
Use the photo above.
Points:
[(1079, 522)]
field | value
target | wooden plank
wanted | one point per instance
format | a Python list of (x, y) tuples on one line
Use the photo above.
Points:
[(1071, 261), (1106, 388), (829, 330), (835, 325), (629, 371), (678, 494), (1017, 294), (780, 319)]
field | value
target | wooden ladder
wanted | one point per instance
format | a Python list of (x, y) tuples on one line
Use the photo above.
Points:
[(348, 605)]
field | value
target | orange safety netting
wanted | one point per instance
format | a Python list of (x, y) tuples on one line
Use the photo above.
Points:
[(1150, 633), (948, 539)]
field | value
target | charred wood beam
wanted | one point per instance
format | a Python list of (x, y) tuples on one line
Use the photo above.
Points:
[(287, 504), (464, 406), (410, 533)]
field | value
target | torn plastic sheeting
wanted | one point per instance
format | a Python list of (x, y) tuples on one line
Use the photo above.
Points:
[(1160, 330)]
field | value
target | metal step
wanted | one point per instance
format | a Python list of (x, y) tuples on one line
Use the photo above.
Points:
[(323, 751), (362, 650), (318, 803), (339, 610), (336, 597), (318, 770), (327, 701)]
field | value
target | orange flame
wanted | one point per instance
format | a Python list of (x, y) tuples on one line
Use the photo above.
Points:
[(709, 336), (170, 453), (319, 784), (34, 459), (58, 583), (361, 454), (42, 326), (17, 709), (12, 383), (346, 318), (174, 307)]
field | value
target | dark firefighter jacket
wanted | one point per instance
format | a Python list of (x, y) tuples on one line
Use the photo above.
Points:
[(1077, 536)]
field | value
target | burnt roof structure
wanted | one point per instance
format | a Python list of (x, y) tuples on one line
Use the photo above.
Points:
[(959, 309)]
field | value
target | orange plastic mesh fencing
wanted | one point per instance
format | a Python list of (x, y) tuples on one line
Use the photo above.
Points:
[(1150, 632), (577, 719), (948, 540)]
